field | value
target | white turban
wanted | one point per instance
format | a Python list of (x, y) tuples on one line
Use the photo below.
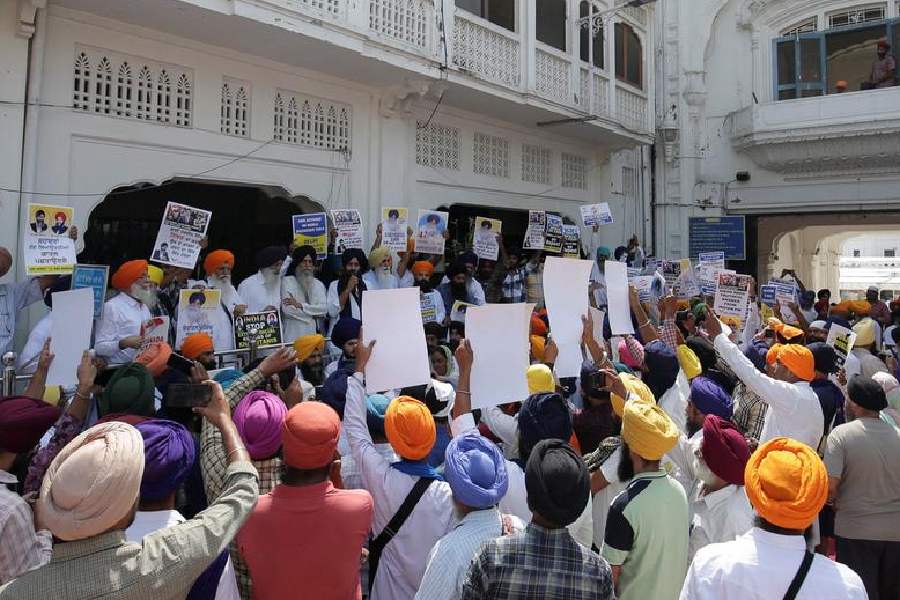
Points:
[(92, 483)]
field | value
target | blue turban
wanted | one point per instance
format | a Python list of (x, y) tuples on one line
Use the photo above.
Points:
[(226, 377), (334, 391), (376, 406), (662, 368), (543, 416), (710, 398), (756, 353), (475, 470), (169, 453), (346, 329), (604, 252)]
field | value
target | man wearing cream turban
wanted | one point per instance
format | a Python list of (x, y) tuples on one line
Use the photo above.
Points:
[(218, 266), (646, 539), (787, 485), (794, 409), (410, 429), (119, 331), (88, 498), (379, 276), (868, 332)]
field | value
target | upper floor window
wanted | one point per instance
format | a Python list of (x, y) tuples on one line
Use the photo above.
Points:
[(629, 55), (856, 253), (811, 24), (498, 12), (596, 50), (551, 21), (889, 253), (855, 16)]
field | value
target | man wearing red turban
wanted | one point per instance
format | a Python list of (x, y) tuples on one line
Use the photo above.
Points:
[(120, 332)]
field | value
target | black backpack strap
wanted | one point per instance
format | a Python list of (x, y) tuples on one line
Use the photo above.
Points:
[(800, 577), (376, 547)]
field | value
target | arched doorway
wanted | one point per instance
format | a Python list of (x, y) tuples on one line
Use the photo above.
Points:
[(245, 218)]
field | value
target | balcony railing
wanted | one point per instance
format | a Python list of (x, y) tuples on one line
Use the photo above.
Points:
[(553, 74), (486, 50), (407, 22), (631, 107), (596, 100)]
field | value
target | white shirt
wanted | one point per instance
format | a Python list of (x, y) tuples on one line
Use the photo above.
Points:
[(146, 522), (720, 516), (602, 499), (370, 278), (674, 401), (333, 299), (682, 457), (794, 409), (473, 289), (760, 566), (404, 560), (13, 298), (297, 322), (26, 363), (123, 316), (223, 321), (258, 295)]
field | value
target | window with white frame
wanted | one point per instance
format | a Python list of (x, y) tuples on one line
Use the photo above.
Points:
[(310, 121), (805, 26), (856, 15), (498, 12), (437, 145), (234, 118), (574, 171), (114, 84), (536, 164), (490, 155)]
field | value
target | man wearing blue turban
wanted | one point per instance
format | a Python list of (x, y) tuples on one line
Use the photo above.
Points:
[(476, 471)]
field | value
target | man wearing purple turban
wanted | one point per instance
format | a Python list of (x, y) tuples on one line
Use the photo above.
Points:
[(258, 419), (476, 471)]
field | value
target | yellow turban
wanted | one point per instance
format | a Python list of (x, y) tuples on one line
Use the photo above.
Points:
[(155, 274), (786, 483), (689, 362), (128, 273), (409, 428), (538, 346), (92, 483), (307, 344), (635, 386), (865, 332), (648, 430), (540, 379), (216, 259), (196, 344), (423, 267), (772, 353), (378, 255), (860, 308), (799, 361), (790, 332)]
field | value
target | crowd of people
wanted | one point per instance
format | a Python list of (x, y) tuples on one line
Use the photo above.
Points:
[(688, 460)]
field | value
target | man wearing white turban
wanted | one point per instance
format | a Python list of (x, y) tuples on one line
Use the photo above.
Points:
[(89, 497)]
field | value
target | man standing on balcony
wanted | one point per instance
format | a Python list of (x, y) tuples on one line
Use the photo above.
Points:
[(884, 67)]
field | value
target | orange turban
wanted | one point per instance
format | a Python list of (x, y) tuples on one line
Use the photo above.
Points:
[(309, 434), (799, 361), (409, 428), (196, 344), (538, 326), (216, 259), (422, 267), (538, 346), (307, 344), (790, 332), (772, 354), (155, 357), (786, 483), (128, 273)]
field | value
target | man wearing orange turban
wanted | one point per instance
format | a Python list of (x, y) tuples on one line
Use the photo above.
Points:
[(787, 485), (794, 408), (199, 347), (398, 566), (433, 309), (218, 266), (120, 332)]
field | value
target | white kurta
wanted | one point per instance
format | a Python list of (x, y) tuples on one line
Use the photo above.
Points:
[(333, 300), (257, 295), (370, 278), (123, 316), (297, 322), (720, 516), (26, 363), (223, 325)]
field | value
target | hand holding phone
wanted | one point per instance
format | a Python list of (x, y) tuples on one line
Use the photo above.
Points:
[(188, 395)]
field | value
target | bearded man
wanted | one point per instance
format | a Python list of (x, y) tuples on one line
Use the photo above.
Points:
[(303, 303), (218, 266), (455, 288), (120, 330), (380, 276), (262, 290)]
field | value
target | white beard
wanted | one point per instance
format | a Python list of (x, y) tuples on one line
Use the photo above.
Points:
[(229, 294), (383, 276), (269, 275), (704, 474), (143, 295), (305, 281)]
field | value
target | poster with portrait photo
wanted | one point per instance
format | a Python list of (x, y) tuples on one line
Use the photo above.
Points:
[(178, 240), (394, 223), (571, 247), (430, 229), (263, 327), (596, 214), (197, 312), (348, 225), (534, 235), (484, 238), (732, 298), (553, 236), (48, 249)]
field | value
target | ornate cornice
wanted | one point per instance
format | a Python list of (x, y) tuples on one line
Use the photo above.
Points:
[(26, 17)]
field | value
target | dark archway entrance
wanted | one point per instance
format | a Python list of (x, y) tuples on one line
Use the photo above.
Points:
[(245, 218)]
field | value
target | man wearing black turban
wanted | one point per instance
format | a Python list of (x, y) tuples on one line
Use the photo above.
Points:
[(262, 290), (345, 293)]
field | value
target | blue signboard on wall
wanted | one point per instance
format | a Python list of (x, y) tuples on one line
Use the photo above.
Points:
[(718, 234)]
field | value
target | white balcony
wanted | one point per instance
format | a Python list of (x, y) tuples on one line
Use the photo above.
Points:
[(858, 131)]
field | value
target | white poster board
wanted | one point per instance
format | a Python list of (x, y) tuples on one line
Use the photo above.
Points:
[(596, 214), (499, 337), (484, 240), (70, 334), (566, 283), (178, 240), (430, 231), (393, 318), (394, 221), (598, 317), (619, 307), (732, 298)]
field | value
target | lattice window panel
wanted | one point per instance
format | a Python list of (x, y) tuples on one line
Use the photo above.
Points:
[(854, 16), (486, 52), (811, 24), (234, 116), (490, 155), (118, 85), (310, 121), (536, 164), (574, 171), (437, 145), (405, 21), (552, 73), (331, 8)]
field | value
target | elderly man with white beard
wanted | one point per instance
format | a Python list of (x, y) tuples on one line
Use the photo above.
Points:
[(303, 302), (120, 330), (218, 265), (262, 290), (380, 277)]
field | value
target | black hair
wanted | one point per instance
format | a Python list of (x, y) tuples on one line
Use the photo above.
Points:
[(393, 213), (197, 296)]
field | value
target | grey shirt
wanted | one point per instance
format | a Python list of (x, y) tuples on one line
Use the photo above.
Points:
[(865, 455)]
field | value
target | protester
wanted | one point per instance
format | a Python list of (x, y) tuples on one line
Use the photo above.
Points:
[(344, 297), (120, 330), (379, 276), (433, 310), (199, 347), (466, 262), (303, 297), (456, 288), (879, 310), (787, 486), (309, 350), (831, 397), (865, 349), (262, 290)]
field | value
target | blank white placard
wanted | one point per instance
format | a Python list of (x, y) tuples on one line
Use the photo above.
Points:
[(498, 334), (393, 318), (569, 361), (566, 283), (70, 334), (598, 317), (619, 309)]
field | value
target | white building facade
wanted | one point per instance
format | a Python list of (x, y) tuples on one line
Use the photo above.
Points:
[(751, 123)]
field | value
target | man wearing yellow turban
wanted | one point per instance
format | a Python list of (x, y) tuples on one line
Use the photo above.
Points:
[(120, 331), (379, 276), (309, 358), (787, 485), (865, 348)]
